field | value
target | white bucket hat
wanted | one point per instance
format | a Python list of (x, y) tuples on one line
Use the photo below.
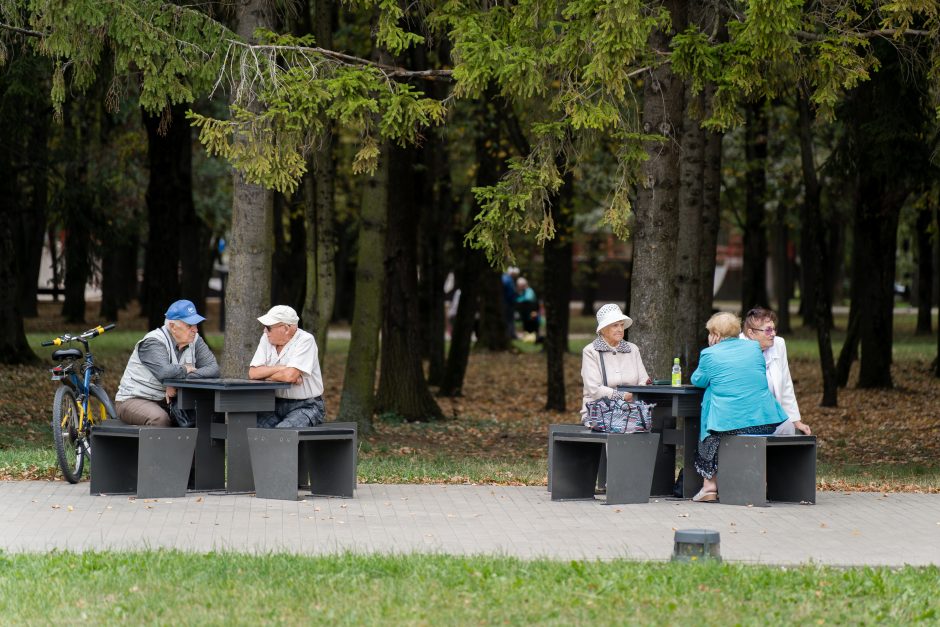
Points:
[(279, 314), (609, 314)]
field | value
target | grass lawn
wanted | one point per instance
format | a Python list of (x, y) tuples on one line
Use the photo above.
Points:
[(170, 587)]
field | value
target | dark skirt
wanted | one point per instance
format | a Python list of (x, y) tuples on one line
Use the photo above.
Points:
[(706, 457)]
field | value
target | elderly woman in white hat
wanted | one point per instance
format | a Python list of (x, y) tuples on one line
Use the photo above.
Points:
[(612, 358)]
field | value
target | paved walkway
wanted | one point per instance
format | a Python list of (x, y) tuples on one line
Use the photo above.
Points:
[(841, 529)]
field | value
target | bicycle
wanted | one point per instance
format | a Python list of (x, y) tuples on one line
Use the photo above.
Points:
[(79, 401)]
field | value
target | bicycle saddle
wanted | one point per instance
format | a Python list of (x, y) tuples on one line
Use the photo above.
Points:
[(67, 353)]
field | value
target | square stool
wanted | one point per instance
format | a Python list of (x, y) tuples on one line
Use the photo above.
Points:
[(753, 470)]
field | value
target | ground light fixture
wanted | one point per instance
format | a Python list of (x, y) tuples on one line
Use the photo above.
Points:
[(692, 545)]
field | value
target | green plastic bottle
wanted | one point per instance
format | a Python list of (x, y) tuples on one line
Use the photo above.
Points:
[(676, 373)]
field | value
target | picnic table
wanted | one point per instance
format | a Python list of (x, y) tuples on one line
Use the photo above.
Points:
[(217, 442), (677, 416)]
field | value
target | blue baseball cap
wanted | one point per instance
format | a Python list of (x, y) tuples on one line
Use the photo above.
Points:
[(185, 311)]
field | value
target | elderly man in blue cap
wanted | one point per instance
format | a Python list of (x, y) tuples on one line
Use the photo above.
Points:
[(174, 351)]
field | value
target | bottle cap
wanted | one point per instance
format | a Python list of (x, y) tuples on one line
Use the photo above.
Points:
[(676, 360)]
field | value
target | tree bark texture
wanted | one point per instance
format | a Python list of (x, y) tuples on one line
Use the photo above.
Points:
[(886, 121), (653, 291), (925, 272), (849, 352), (32, 227), (479, 284), (812, 215), (319, 206), (358, 399), (77, 254), (472, 275), (491, 334), (711, 220), (25, 122), (436, 216), (589, 273), (14, 349), (936, 278), (118, 275), (688, 246), (325, 177), (167, 143), (491, 331), (754, 269), (875, 241), (289, 259), (782, 269), (403, 389), (195, 236), (318, 185), (78, 215), (557, 297), (248, 291)]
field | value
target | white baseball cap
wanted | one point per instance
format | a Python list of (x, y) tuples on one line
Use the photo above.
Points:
[(279, 314), (609, 314)]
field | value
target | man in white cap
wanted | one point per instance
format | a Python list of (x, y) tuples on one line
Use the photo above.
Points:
[(288, 353), (174, 351)]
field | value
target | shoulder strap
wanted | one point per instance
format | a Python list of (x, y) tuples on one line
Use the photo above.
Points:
[(169, 347), (600, 355)]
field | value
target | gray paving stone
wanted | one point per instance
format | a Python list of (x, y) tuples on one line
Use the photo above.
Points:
[(841, 529)]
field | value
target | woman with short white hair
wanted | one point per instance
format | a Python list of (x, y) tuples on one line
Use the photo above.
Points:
[(737, 400)]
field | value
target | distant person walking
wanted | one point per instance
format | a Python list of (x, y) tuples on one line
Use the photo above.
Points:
[(527, 304), (509, 300)]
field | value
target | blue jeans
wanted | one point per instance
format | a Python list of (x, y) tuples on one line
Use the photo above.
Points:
[(293, 413)]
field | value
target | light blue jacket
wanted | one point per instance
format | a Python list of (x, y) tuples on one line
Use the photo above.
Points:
[(733, 374)]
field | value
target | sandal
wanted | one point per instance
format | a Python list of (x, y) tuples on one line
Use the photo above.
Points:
[(705, 497)]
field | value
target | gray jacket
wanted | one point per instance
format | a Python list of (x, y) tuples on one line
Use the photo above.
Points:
[(156, 358)]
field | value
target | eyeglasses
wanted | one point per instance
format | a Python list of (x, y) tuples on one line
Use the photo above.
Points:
[(268, 329), (767, 330)]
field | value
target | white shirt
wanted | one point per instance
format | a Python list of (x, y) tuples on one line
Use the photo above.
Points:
[(781, 384), (300, 353)]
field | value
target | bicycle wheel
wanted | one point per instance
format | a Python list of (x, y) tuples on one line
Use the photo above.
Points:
[(69, 447), (99, 405)]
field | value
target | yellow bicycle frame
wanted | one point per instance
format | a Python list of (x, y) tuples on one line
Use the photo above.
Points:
[(93, 418)]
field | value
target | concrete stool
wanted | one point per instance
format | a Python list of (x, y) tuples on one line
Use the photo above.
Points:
[(151, 462), (630, 460), (557, 428), (329, 460), (753, 470)]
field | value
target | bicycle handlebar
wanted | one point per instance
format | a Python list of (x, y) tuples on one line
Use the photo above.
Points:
[(90, 333), (97, 330)]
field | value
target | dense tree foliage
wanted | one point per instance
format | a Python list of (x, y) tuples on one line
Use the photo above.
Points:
[(646, 87)]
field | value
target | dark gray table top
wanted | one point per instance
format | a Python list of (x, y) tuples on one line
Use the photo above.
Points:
[(226, 384), (665, 390)]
